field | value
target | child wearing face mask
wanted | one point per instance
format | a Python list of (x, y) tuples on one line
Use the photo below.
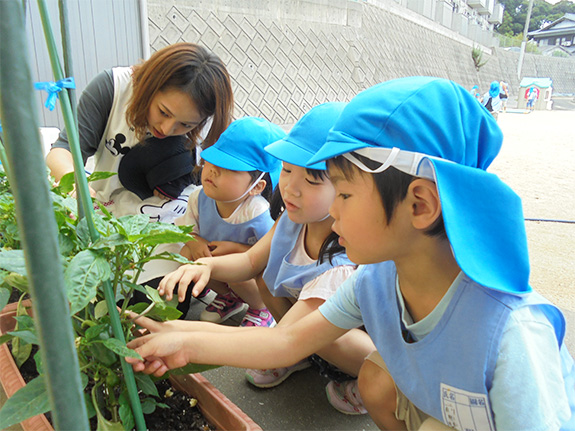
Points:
[(230, 212)]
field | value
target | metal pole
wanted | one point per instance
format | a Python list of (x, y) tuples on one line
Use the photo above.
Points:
[(36, 220), (524, 41)]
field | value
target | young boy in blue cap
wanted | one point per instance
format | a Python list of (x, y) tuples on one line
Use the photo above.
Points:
[(443, 290)]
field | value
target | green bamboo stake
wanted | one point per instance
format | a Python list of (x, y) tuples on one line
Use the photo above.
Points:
[(37, 223), (67, 50), (86, 204), (69, 71)]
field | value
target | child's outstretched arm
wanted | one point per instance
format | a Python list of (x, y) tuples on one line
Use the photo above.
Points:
[(229, 269), (254, 348)]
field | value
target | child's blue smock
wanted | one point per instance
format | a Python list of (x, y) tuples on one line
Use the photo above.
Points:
[(450, 372), (280, 275), (212, 227)]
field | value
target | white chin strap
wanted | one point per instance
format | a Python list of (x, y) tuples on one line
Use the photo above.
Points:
[(416, 164), (250, 188)]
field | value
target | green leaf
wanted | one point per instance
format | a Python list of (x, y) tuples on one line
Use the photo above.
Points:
[(13, 261), (101, 309), (193, 368), (29, 401), (28, 337), (94, 331), (148, 406), (5, 338), (100, 175), (163, 237), (103, 423), (17, 281), (146, 384), (25, 322), (20, 351), (125, 410), (134, 225), (4, 297), (120, 348), (173, 256), (84, 274), (111, 241), (66, 184)]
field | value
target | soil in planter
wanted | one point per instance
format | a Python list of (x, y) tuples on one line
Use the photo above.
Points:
[(15, 296), (178, 416)]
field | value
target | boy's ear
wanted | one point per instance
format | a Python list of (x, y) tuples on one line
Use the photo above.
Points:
[(259, 188), (425, 205)]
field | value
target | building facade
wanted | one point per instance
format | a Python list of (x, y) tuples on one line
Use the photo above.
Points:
[(559, 36)]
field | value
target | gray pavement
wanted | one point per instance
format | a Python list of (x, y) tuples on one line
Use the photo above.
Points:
[(299, 403)]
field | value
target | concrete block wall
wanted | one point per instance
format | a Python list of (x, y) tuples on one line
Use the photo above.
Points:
[(285, 56)]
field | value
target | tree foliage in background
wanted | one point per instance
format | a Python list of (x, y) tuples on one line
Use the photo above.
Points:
[(542, 14)]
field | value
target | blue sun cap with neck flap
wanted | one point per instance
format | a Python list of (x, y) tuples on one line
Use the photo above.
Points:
[(434, 128), (241, 147), (307, 136)]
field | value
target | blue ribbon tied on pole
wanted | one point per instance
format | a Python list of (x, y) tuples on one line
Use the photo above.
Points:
[(53, 88)]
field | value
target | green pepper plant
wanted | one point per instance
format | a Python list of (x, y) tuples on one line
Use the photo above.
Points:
[(124, 246)]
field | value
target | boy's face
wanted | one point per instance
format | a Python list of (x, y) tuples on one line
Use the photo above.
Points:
[(224, 185), (360, 219)]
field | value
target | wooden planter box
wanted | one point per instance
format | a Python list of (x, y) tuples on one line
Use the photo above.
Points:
[(214, 405)]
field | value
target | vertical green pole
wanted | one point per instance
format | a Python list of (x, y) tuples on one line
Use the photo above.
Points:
[(69, 71), (86, 204), (37, 223), (67, 50)]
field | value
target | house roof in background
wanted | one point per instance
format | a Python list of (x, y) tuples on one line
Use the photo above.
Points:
[(563, 25)]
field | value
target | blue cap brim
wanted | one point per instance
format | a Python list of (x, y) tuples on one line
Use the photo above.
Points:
[(220, 158), (288, 151)]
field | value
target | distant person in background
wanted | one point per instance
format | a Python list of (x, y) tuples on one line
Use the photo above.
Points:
[(503, 94), (491, 99), (532, 94), (475, 93)]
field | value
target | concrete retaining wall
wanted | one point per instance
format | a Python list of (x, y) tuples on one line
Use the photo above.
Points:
[(286, 56)]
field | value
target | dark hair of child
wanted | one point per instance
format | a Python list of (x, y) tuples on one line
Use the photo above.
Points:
[(392, 185), (330, 246)]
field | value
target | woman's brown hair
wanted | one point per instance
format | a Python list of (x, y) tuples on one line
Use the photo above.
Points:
[(189, 68)]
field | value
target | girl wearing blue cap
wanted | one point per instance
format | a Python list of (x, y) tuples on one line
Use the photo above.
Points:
[(301, 261), (463, 342), (229, 213)]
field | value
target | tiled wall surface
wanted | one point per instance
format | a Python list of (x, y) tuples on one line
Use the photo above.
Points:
[(285, 56)]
